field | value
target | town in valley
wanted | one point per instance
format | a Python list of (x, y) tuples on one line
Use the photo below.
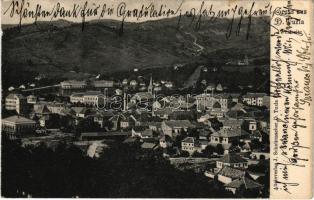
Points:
[(220, 135)]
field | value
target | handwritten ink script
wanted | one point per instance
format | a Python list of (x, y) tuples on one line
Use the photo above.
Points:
[(291, 69), (25, 10)]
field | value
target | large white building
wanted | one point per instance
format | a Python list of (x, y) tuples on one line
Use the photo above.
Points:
[(31, 99), (73, 84), (93, 98), (15, 125), (190, 145), (173, 128), (77, 98), (89, 98), (15, 102), (209, 101), (254, 99), (103, 84)]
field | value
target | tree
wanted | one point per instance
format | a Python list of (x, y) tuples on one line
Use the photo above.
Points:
[(197, 154), (184, 154), (54, 121), (192, 132), (215, 123), (66, 123), (87, 125), (121, 171), (219, 149), (179, 138), (76, 69), (235, 142), (7, 113), (209, 150)]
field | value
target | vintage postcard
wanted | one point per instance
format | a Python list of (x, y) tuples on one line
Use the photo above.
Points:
[(156, 99)]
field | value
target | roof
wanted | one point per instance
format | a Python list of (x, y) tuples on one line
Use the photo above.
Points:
[(227, 133), (163, 111), (246, 145), (232, 158), (18, 120), (45, 117), (147, 132), (216, 105), (143, 117), (140, 128), (55, 104), (165, 138), (92, 93), (223, 95), (231, 122), (81, 110), (256, 133), (182, 114), (204, 132), (106, 114), (189, 140), (68, 111), (117, 117), (130, 140), (148, 145), (93, 134), (244, 181), (231, 172), (41, 109), (73, 81), (143, 95), (238, 106), (179, 123), (77, 95), (152, 124), (105, 82), (203, 142), (13, 95), (253, 95), (234, 95)]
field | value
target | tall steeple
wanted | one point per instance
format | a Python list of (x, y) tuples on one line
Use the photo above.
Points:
[(150, 86)]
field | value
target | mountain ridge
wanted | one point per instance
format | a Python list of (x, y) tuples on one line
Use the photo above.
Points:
[(60, 46)]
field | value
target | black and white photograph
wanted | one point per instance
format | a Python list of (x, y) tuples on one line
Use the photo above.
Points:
[(135, 99)]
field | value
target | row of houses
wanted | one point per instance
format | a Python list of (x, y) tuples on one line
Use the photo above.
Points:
[(224, 101), (232, 171)]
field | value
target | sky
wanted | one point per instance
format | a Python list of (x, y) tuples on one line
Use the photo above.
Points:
[(187, 5)]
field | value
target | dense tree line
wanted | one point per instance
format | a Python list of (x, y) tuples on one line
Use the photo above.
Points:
[(121, 171)]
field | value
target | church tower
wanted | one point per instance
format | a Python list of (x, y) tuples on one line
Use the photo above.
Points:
[(150, 86)]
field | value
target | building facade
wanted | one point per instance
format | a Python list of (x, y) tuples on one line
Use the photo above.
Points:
[(16, 102), (16, 125), (73, 84)]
